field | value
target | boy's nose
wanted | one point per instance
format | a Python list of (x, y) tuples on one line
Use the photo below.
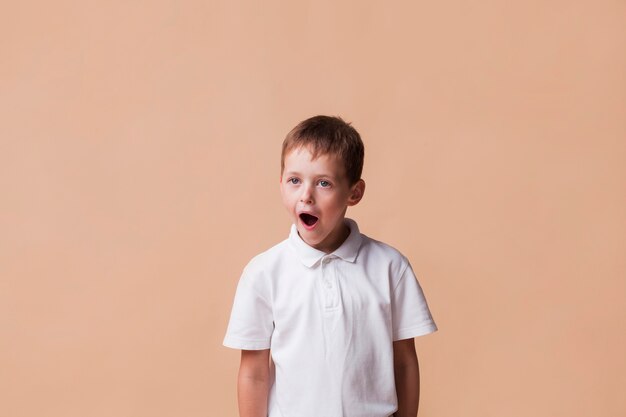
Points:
[(306, 196)]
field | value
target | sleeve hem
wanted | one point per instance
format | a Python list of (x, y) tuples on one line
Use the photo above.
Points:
[(424, 329), (236, 343)]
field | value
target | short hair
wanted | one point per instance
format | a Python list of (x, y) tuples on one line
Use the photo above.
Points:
[(328, 135)]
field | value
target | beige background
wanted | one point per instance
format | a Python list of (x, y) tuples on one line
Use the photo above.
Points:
[(139, 163)]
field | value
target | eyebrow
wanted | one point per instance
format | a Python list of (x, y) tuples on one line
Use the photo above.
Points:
[(297, 174)]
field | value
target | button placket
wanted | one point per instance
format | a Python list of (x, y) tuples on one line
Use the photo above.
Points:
[(330, 289)]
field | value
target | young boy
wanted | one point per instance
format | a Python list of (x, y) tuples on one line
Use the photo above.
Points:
[(325, 320)]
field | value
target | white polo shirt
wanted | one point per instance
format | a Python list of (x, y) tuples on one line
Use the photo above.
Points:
[(330, 321)]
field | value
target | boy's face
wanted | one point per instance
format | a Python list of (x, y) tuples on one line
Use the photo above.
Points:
[(316, 193)]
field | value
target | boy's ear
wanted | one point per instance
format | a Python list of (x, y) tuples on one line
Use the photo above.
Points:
[(358, 189)]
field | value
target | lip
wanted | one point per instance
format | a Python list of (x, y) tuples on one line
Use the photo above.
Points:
[(306, 226)]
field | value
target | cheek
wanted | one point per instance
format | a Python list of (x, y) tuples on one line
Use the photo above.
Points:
[(285, 197), (289, 199), (333, 203)]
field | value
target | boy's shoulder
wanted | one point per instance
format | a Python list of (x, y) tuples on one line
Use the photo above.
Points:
[(382, 251), (385, 249), (277, 253)]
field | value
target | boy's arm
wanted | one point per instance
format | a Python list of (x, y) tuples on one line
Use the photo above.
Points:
[(407, 377), (253, 383)]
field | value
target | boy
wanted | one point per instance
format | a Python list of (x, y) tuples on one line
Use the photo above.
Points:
[(325, 320)]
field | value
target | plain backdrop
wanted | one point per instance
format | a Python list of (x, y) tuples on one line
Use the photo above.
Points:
[(139, 167)]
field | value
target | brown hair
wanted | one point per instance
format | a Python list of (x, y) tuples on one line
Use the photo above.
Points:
[(325, 135)]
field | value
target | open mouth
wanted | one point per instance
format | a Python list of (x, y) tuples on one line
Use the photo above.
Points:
[(308, 219)]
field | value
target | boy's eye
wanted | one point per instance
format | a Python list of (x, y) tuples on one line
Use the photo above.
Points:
[(324, 183), (293, 180)]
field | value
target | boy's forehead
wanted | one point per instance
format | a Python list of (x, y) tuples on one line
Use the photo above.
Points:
[(306, 155)]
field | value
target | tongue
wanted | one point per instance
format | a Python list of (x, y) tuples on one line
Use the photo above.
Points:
[(308, 219)]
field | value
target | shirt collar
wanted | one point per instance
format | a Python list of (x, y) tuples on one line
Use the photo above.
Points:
[(309, 256)]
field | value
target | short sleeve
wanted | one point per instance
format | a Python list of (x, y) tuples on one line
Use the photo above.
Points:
[(251, 320), (411, 316)]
